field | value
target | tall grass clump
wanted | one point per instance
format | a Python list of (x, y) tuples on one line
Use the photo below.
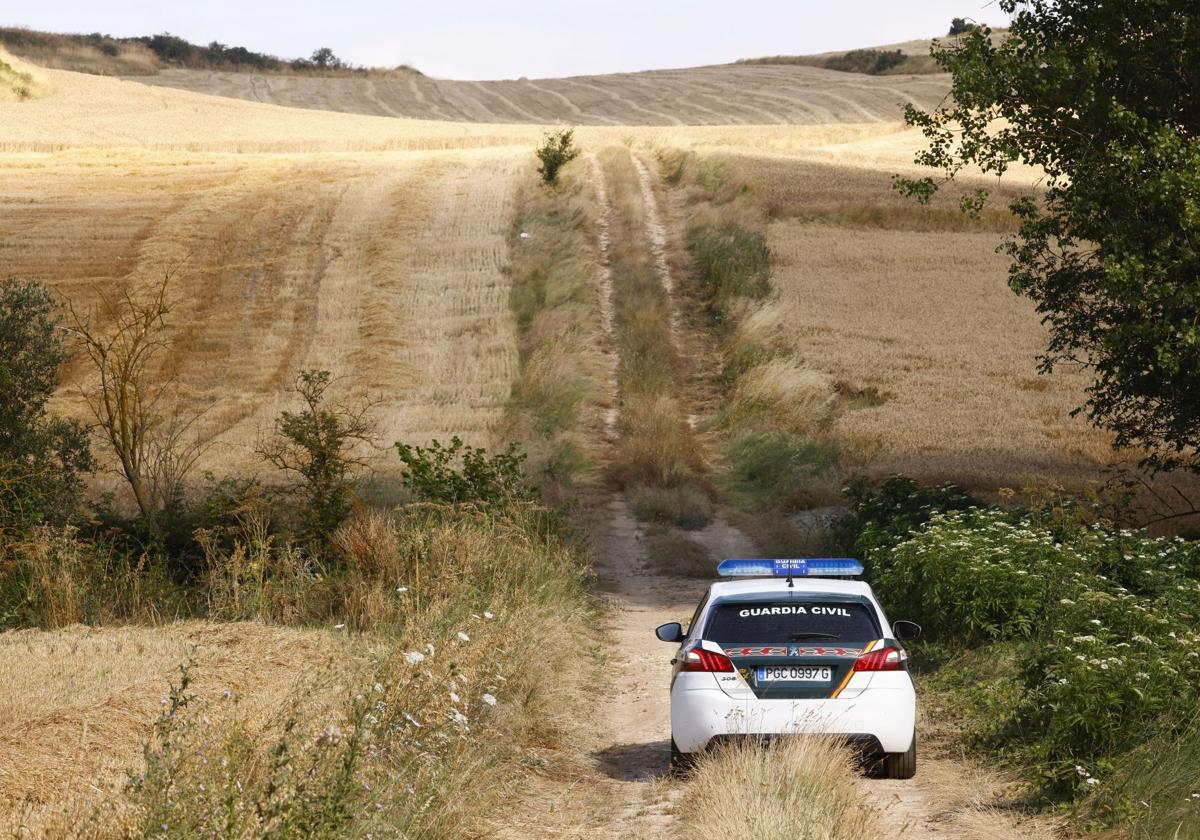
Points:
[(771, 469), (732, 263), (50, 577), (552, 266), (776, 412), (793, 787)]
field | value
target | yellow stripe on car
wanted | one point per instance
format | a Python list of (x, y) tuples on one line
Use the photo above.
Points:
[(850, 673)]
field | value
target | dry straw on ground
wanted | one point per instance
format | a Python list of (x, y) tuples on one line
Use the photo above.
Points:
[(798, 787)]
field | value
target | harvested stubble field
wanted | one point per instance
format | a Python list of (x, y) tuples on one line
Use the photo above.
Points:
[(78, 701), (907, 312), (382, 269), (727, 94)]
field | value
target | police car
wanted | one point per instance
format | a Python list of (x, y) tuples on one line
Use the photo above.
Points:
[(794, 646)]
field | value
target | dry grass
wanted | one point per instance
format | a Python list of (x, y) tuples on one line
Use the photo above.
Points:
[(782, 394), (20, 81), (79, 702), (796, 787)]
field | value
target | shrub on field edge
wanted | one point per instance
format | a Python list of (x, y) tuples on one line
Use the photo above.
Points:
[(1106, 622), (557, 150)]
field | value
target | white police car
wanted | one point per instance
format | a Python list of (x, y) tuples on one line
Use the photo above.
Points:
[(795, 652)]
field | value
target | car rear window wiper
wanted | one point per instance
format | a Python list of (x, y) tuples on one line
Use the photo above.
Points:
[(798, 637)]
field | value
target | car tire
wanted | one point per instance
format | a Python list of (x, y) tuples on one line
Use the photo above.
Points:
[(681, 762), (901, 765)]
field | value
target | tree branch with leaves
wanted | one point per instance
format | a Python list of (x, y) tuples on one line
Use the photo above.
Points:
[(1105, 99)]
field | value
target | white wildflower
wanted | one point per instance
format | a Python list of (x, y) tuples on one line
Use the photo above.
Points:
[(463, 636), (489, 699), (488, 616), (412, 657), (454, 698)]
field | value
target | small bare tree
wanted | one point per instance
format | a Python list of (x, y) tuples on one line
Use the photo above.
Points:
[(135, 409)]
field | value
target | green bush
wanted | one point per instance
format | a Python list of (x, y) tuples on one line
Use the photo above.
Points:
[(882, 517), (316, 445), (871, 62), (42, 457), (1108, 623), (557, 150), (731, 262), (494, 481)]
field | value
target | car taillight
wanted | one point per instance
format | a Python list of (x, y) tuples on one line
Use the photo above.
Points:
[(884, 659), (699, 659)]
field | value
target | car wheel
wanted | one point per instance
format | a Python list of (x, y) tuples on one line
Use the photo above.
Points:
[(901, 765), (681, 762)]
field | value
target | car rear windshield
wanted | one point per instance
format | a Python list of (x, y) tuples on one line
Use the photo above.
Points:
[(795, 621)]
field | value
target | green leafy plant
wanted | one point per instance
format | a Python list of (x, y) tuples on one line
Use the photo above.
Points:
[(557, 150), (42, 457), (1098, 97), (317, 446), (459, 473)]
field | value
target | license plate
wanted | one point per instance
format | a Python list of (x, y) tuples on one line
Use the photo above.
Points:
[(795, 674)]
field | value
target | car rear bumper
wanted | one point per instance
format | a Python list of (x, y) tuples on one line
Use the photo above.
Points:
[(700, 714)]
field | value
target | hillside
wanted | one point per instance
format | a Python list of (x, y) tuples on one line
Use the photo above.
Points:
[(772, 93), (720, 95)]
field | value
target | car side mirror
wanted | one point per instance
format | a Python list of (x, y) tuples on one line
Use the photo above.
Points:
[(670, 632), (906, 631)]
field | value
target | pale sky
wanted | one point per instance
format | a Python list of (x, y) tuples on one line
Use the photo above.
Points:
[(476, 39)]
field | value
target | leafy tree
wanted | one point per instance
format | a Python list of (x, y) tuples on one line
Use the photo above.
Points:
[(41, 456), (960, 25), (1105, 98), (432, 477), (316, 445), (557, 150), (324, 57)]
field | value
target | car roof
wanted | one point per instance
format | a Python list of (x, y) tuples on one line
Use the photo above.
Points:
[(748, 587)]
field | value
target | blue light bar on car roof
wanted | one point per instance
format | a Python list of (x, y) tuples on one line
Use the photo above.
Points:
[(791, 567)]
